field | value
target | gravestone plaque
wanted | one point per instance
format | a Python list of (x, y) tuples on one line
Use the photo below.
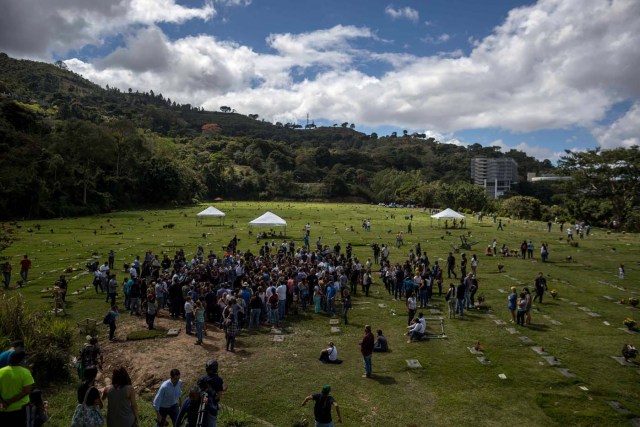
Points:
[(334, 321), (593, 314), (413, 363), (556, 322), (526, 340), (512, 331), (618, 407), (276, 331), (551, 360), (473, 350), (335, 330), (500, 322), (173, 332), (621, 360), (566, 372), (483, 360), (540, 351), (278, 338)]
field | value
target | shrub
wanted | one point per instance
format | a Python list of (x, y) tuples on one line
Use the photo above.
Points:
[(48, 339)]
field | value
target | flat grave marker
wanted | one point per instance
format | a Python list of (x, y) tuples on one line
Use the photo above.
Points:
[(173, 332), (334, 321), (621, 360), (413, 363), (593, 314), (526, 340), (556, 322), (566, 372), (539, 350), (474, 350), (483, 360), (335, 330), (618, 407), (512, 331), (278, 338), (500, 322), (551, 360)]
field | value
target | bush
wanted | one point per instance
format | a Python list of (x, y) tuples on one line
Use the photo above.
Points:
[(48, 339)]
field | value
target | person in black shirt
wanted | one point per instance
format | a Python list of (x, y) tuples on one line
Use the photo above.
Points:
[(323, 404)]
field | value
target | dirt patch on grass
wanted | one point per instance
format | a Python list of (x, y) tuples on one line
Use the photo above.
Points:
[(150, 361)]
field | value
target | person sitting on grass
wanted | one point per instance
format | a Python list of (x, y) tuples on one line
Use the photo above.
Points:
[(330, 354), (381, 345), (417, 328)]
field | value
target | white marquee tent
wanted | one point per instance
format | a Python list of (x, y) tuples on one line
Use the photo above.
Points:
[(448, 214), (210, 212), (269, 219)]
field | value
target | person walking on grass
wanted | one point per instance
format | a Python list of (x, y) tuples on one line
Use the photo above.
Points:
[(512, 303), (322, 409), (25, 265), (110, 319), (366, 349), (167, 400), (540, 285)]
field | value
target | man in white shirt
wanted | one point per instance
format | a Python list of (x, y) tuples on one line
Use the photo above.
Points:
[(281, 290), (417, 328), (330, 354)]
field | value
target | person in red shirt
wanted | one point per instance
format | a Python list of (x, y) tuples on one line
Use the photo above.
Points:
[(25, 265)]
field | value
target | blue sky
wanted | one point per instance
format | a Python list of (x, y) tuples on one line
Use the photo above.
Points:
[(541, 77)]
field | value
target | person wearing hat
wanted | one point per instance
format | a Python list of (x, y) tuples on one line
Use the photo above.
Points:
[(322, 409), (15, 385)]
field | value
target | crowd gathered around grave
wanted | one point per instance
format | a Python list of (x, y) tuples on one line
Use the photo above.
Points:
[(238, 290)]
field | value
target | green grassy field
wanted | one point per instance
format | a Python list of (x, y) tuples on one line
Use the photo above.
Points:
[(269, 380)]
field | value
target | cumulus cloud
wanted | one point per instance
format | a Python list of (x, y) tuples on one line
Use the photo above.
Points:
[(623, 132), (29, 28), (555, 64), (402, 13), (531, 150)]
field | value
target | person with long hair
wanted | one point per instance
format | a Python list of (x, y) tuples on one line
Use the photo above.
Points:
[(122, 410)]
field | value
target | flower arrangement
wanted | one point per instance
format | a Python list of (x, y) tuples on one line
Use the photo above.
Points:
[(629, 323), (554, 293), (633, 301)]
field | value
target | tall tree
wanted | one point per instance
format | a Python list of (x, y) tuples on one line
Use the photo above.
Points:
[(606, 175)]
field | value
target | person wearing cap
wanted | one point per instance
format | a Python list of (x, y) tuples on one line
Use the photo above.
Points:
[(322, 409), (167, 400), (15, 385)]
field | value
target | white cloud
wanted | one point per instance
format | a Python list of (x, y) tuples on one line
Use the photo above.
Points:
[(402, 13), (531, 150), (442, 38), (555, 64), (29, 28), (444, 139), (624, 132)]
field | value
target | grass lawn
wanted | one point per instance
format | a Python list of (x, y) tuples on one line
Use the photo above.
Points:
[(268, 380)]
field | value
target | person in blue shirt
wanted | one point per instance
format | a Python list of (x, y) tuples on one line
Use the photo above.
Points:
[(5, 355), (167, 400), (191, 409)]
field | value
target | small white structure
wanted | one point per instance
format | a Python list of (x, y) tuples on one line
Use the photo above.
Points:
[(447, 214), (210, 212), (269, 219)]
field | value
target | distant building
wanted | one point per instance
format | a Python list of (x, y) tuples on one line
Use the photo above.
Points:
[(495, 175)]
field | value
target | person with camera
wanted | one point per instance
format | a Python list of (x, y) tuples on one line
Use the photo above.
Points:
[(211, 388)]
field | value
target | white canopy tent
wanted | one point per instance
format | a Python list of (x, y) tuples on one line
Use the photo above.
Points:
[(447, 214), (269, 219), (210, 212)]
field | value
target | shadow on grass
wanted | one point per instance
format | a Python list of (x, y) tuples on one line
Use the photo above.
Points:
[(538, 327), (383, 379)]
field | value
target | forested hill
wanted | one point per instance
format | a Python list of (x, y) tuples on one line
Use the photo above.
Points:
[(70, 147)]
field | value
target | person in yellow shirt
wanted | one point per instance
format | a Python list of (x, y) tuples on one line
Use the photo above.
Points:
[(15, 385)]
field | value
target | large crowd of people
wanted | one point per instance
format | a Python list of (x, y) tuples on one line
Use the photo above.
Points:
[(238, 290)]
